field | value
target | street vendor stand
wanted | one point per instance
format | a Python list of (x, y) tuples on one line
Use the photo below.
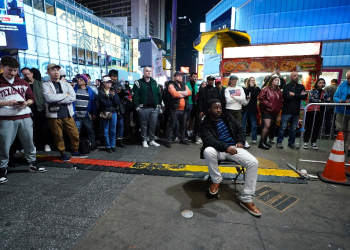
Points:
[(262, 60)]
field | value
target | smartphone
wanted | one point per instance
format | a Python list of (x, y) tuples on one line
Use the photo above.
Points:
[(20, 102), (277, 68), (348, 97), (249, 94)]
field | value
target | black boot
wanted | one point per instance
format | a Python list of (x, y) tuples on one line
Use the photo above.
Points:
[(120, 144), (263, 146), (265, 142)]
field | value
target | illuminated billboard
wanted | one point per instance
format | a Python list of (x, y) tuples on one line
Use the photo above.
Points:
[(12, 25), (185, 70), (279, 50), (200, 71)]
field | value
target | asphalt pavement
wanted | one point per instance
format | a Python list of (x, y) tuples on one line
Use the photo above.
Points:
[(69, 208)]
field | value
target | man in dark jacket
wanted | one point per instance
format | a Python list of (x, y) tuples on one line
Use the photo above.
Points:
[(178, 102), (147, 100), (223, 139), (293, 93), (206, 94)]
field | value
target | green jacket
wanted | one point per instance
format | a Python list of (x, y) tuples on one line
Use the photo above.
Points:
[(188, 84), (139, 97), (39, 96)]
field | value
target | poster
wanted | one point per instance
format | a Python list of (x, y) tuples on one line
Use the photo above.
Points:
[(289, 64), (158, 64), (12, 25)]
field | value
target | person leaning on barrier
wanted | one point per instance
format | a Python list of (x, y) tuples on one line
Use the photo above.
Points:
[(223, 139), (342, 95), (313, 121)]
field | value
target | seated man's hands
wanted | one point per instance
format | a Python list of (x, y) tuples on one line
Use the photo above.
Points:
[(239, 145), (231, 150)]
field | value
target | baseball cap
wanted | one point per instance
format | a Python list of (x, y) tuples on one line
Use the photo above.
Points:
[(233, 77), (218, 80), (53, 65), (62, 72), (177, 73), (106, 79), (84, 77), (210, 78)]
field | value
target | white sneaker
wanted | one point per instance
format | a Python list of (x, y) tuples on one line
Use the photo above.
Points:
[(145, 144), (253, 142), (153, 143), (305, 146), (189, 133), (47, 148), (313, 146), (246, 145), (199, 141)]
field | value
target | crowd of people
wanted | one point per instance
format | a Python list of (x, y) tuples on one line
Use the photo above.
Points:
[(40, 113)]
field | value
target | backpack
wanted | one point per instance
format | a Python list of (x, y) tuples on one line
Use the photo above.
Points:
[(84, 146)]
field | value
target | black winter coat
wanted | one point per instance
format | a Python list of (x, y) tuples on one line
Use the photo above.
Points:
[(205, 95), (252, 106), (210, 135), (108, 102)]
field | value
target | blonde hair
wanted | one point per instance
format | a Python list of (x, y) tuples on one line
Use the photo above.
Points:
[(247, 85)]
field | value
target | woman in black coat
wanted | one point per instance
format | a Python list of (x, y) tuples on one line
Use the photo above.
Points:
[(251, 92)]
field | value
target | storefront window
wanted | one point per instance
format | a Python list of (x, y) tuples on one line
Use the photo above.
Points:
[(53, 49), (74, 55), (27, 2), (89, 57), (95, 59), (42, 46), (62, 34), (64, 52), (81, 56), (38, 4), (52, 28), (49, 5)]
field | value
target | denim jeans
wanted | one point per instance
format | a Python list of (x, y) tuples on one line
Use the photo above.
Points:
[(293, 120), (252, 119), (109, 131), (89, 125), (120, 127)]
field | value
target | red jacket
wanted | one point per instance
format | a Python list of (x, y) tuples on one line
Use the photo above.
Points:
[(270, 101)]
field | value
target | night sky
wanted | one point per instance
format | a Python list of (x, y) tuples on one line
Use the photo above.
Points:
[(195, 10)]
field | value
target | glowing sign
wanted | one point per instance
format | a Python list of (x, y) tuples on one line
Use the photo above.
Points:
[(280, 50), (185, 70), (200, 71)]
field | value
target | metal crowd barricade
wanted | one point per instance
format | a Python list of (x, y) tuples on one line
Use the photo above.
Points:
[(299, 160)]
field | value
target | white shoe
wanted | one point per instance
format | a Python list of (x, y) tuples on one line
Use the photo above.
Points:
[(199, 141), (305, 146), (253, 142), (189, 133), (47, 148), (246, 145), (145, 144), (313, 146), (156, 138), (153, 143)]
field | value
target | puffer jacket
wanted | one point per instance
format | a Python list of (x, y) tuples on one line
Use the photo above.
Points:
[(210, 137), (270, 101)]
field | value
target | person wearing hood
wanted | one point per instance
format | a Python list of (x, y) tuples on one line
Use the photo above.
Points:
[(84, 107)]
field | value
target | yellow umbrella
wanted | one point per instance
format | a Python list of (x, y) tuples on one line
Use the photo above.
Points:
[(212, 42)]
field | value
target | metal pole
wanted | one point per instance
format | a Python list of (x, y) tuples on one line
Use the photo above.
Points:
[(173, 40)]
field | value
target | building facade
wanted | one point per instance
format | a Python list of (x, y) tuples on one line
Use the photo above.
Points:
[(68, 34), (275, 21)]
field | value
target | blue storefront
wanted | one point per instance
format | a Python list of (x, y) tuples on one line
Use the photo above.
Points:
[(290, 21)]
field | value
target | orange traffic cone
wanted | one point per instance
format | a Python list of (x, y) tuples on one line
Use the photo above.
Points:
[(334, 171)]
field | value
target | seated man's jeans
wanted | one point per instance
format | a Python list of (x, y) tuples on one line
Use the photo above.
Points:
[(243, 158), (293, 120)]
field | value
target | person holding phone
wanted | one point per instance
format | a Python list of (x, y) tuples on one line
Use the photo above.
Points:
[(15, 98)]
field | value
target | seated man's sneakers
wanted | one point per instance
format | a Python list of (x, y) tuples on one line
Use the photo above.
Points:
[(251, 208), (214, 188)]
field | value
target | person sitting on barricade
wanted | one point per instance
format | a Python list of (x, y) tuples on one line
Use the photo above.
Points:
[(342, 122), (223, 139)]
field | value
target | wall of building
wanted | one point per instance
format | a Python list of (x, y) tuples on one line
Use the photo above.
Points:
[(73, 39), (291, 21)]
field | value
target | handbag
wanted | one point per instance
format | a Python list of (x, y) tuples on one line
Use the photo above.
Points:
[(106, 115), (54, 107)]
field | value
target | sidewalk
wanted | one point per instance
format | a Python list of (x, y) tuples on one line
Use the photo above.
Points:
[(67, 208)]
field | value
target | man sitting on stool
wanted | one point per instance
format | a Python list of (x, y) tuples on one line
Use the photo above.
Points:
[(223, 139)]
